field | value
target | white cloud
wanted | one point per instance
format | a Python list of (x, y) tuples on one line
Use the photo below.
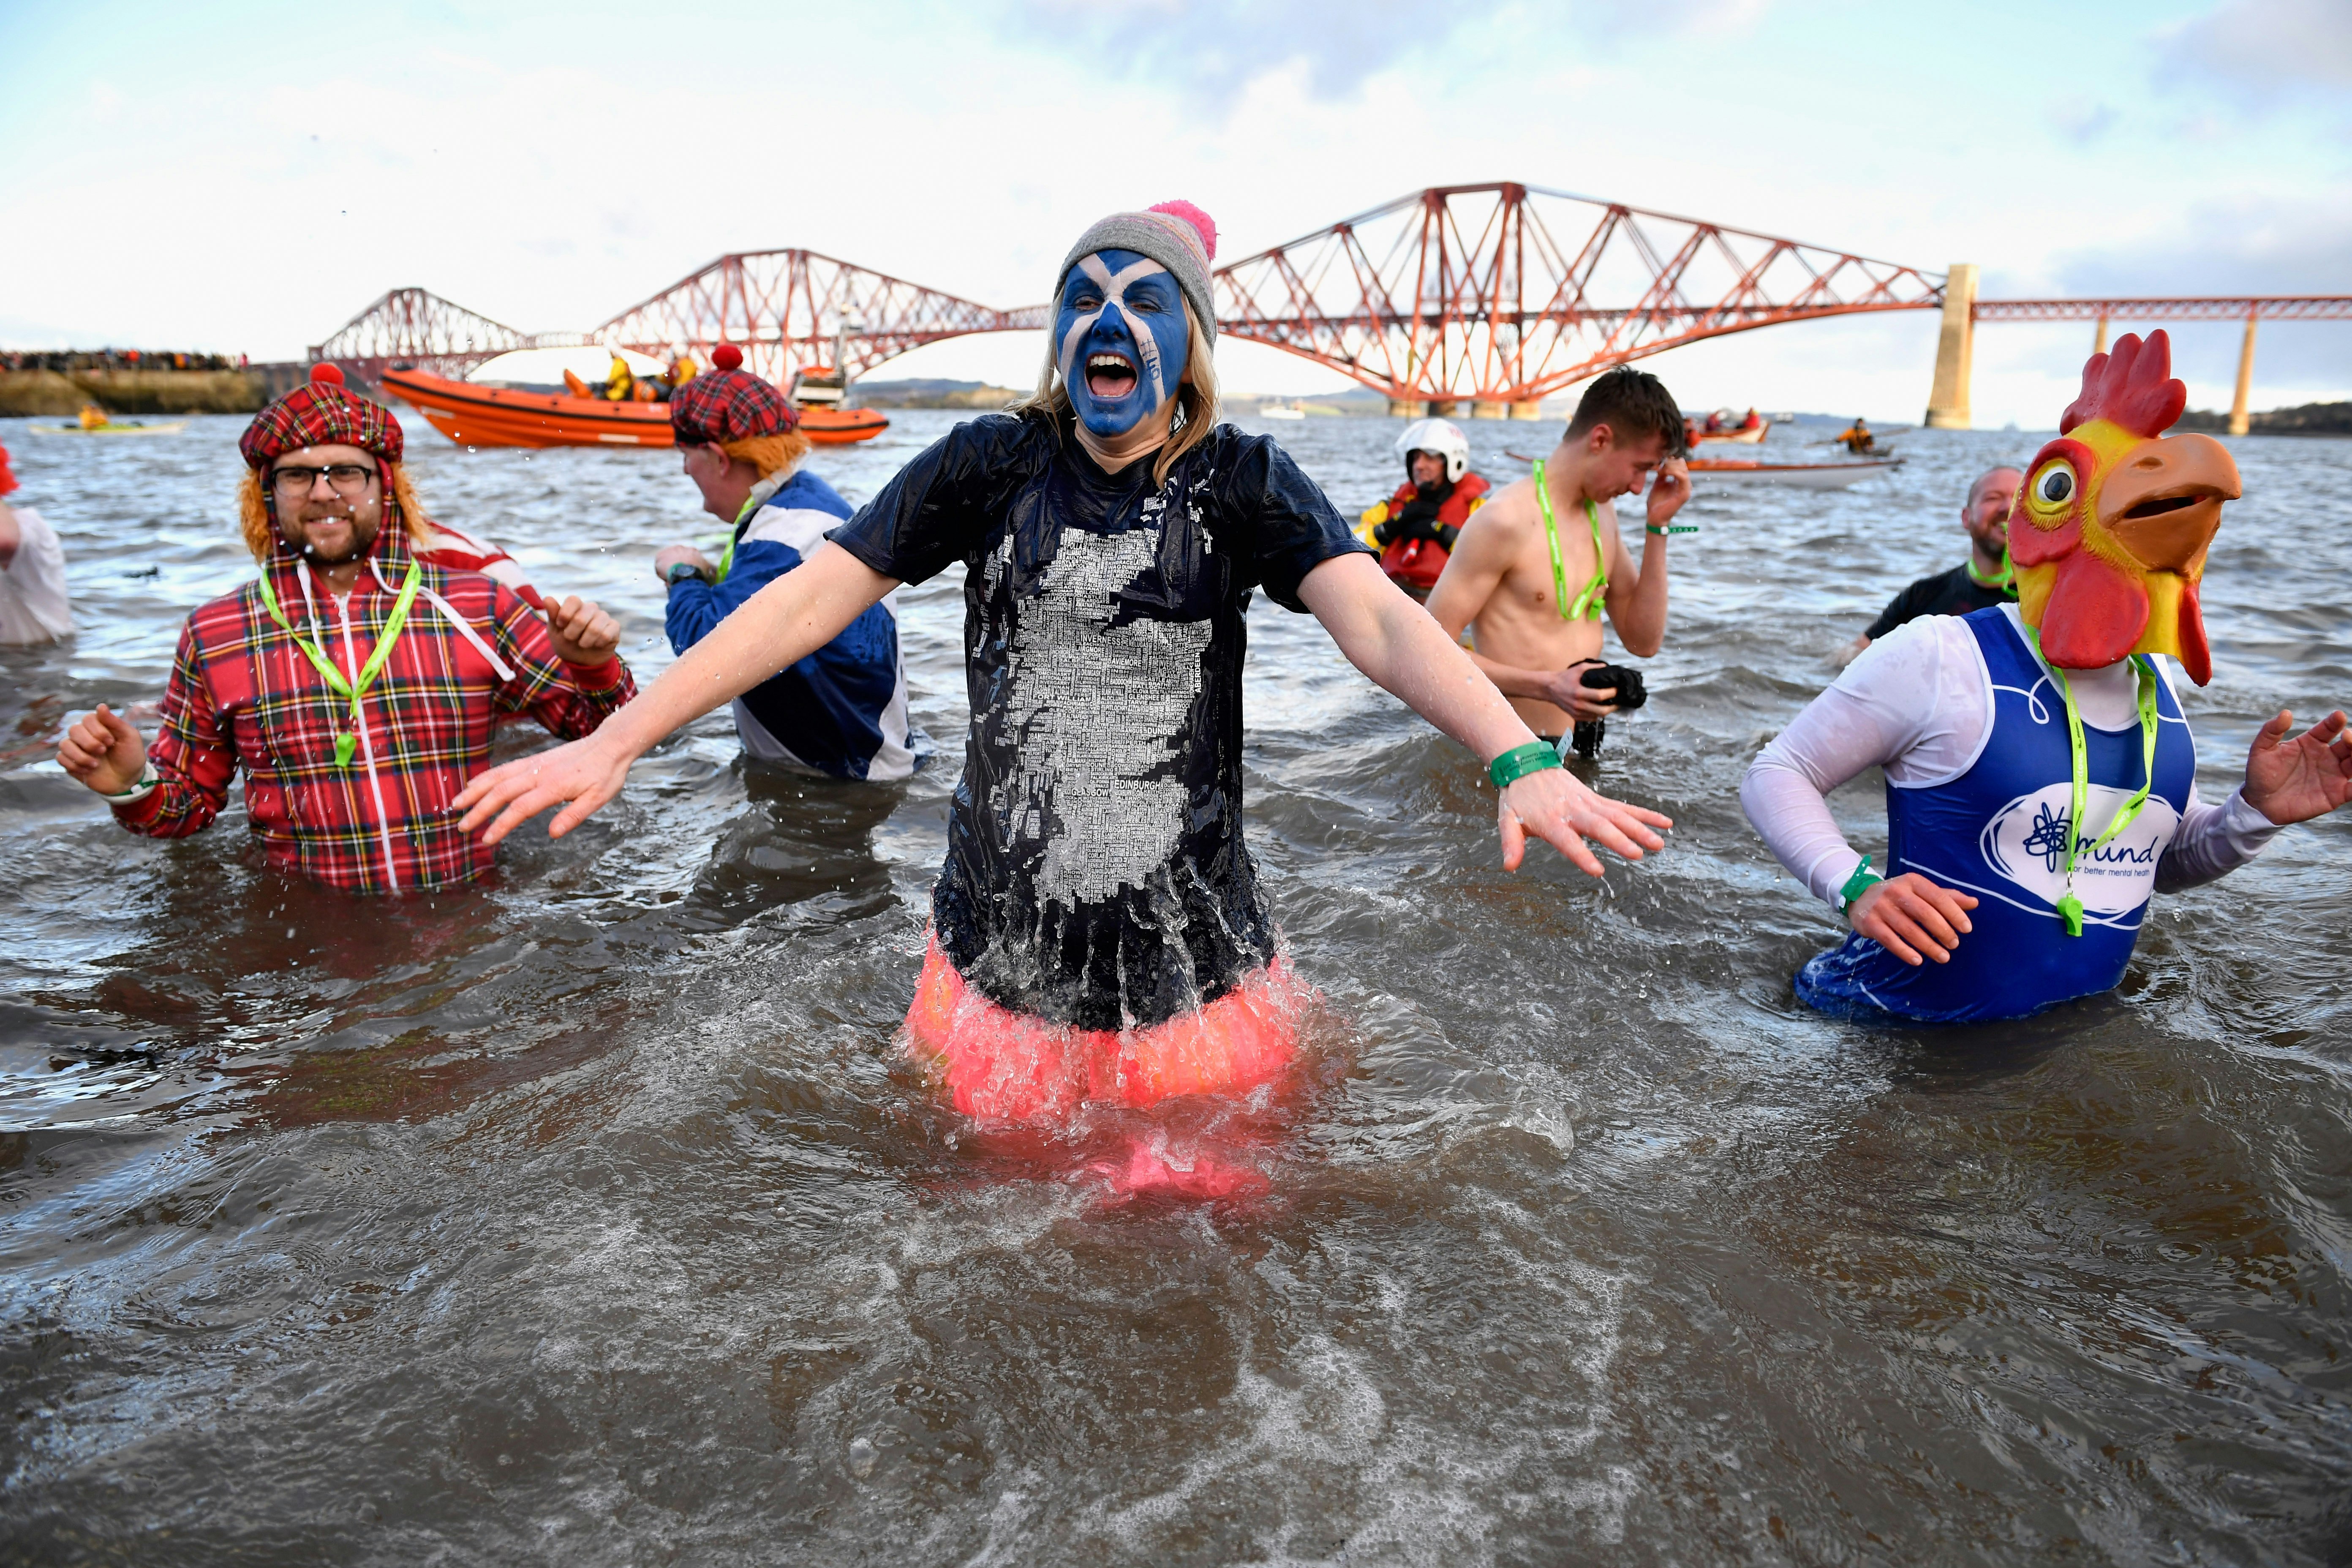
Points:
[(2260, 46)]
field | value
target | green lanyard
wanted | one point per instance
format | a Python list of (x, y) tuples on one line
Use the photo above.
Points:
[(356, 691), (726, 556), (2005, 579), (2144, 682), (1589, 603)]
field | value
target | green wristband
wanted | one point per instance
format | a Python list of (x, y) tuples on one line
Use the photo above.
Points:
[(1861, 882), (1519, 761), (1677, 528)]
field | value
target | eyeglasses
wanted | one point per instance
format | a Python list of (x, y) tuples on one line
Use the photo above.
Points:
[(348, 479)]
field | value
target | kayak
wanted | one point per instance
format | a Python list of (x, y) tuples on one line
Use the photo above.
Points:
[(476, 416), (1744, 437), (1731, 471), (170, 427)]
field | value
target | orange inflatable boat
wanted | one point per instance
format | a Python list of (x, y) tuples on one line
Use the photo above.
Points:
[(475, 415)]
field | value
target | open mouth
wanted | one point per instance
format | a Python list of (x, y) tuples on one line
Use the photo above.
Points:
[(1111, 375), (2156, 506)]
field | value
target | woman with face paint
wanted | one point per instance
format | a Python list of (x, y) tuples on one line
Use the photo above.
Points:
[(1099, 932)]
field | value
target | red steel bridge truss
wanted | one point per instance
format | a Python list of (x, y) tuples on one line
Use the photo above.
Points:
[(1488, 294), (791, 309), (1504, 293)]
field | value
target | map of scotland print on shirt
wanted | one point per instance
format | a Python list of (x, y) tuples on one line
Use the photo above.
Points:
[(1101, 710), (2025, 843)]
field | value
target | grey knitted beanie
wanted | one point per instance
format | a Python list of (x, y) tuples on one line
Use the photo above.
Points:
[(1177, 235)]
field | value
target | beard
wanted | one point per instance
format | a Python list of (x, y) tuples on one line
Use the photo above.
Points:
[(363, 532)]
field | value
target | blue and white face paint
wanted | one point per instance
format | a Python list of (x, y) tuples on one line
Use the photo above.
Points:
[(1120, 340)]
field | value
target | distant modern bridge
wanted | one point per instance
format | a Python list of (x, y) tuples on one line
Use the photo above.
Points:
[(1491, 296)]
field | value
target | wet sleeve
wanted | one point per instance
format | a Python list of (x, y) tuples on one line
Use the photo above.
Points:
[(1905, 700), (567, 700), (2213, 841), (194, 756), (1292, 526), (942, 506)]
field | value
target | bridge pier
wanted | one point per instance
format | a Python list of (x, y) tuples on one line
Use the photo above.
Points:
[(1407, 408), (1529, 409), (1948, 398), (1490, 408), (2099, 342), (2239, 419)]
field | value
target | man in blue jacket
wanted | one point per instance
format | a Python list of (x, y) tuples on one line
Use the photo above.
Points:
[(842, 710)]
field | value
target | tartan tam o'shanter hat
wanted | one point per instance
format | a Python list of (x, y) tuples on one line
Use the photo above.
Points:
[(728, 403), (320, 412)]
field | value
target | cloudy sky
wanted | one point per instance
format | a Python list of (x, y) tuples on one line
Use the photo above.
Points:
[(244, 178)]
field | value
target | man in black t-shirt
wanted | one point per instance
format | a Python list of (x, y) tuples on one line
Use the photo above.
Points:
[(1979, 583)]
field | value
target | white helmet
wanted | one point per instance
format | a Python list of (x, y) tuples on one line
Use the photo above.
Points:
[(1442, 436)]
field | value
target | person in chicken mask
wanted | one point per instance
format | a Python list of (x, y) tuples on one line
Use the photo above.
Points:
[(1099, 931), (1414, 530), (2041, 780)]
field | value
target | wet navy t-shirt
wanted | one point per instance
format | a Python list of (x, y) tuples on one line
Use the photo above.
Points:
[(1096, 873)]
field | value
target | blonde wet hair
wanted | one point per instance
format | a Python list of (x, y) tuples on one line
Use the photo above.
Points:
[(1196, 398)]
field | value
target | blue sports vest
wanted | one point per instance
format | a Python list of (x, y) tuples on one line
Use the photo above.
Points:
[(1999, 831)]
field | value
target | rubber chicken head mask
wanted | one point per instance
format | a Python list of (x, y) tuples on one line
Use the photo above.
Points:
[(2110, 531)]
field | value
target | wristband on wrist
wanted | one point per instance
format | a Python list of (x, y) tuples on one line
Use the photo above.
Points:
[(1677, 528), (1519, 761), (148, 779), (1861, 882)]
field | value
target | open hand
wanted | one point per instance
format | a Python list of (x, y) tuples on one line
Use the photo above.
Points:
[(1909, 916), (586, 773), (2295, 781), (582, 633), (103, 751), (1668, 491), (1555, 805)]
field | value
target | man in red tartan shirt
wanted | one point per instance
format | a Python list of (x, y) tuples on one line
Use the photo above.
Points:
[(357, 685)]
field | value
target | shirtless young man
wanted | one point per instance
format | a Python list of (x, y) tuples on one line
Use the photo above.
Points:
[(1534, 585)]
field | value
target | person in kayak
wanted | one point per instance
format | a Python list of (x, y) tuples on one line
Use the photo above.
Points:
[(842, 709), (1533, 585), (2041, 778), (1979, 583), (1857, 439), (1414, 530), (1098, 930), (355, 685)]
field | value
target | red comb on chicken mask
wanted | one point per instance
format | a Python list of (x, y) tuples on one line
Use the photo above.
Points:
[(2110, 533)]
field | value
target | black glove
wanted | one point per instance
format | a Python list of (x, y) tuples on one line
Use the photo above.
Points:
[(1626, 682), (1630, 694)]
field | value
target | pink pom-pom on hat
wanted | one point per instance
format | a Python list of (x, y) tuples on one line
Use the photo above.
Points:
[(1201, 221)]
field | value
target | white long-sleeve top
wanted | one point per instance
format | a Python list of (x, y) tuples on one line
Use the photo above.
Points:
[(1918, 703)]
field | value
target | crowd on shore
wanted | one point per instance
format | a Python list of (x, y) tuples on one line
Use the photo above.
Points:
[(65, 362), (1098, 930)]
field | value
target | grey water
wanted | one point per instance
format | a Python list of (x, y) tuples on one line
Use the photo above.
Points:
[(592, 1217)]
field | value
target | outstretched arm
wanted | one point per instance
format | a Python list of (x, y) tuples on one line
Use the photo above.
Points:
[(786, 621), (1394, 642)]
